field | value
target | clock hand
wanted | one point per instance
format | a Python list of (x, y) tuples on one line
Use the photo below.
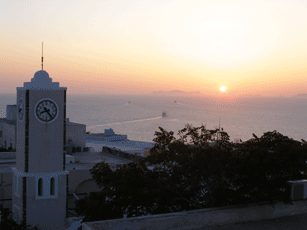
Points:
[(47, 111), (42, 112)]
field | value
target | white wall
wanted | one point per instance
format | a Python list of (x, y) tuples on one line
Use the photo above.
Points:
[(75, 132), (11, 112)]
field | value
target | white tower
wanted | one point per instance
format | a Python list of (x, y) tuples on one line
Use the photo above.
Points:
[(40, 182)]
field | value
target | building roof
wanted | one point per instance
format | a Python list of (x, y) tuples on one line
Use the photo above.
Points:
[(87, 160), (6, 121), (41, 81), (13, 122), (84, 161), (104, 135), (73, 123), (125, 146)]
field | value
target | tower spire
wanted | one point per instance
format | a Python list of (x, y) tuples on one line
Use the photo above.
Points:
[(42, 55)]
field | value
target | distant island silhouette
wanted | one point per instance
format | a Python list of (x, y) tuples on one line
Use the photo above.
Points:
[(176, 92), (301, 95)]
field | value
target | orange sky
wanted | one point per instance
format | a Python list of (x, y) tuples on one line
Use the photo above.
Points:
[(125, 46)]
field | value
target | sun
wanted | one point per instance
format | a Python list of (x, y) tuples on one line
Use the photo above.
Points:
[(223, 88)]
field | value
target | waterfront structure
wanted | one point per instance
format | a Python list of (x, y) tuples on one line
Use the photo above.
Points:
[(107, 136)]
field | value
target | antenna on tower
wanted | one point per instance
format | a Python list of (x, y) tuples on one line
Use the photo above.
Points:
[(219, 123), (42, 55)]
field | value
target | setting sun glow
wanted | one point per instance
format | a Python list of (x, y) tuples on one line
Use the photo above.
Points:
[(223, 88), (142, 46)]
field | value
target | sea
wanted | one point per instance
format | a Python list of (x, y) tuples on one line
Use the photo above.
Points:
[(140, 116)]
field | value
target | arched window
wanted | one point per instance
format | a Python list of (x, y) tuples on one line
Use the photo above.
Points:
[(16, 184), (52, 186), (40, 187), (19, 179)]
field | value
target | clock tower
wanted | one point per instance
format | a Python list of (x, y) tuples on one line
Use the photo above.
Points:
[(40, 181)]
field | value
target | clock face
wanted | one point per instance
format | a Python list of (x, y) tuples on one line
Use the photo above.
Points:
[(21, 110), (46, 110)]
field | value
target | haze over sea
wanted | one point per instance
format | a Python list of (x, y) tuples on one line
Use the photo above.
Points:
[(140, 118)]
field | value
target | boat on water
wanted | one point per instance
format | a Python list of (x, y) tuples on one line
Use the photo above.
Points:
[(164, 114)]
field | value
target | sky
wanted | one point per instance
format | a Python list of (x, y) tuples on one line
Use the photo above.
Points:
[(126, 46)]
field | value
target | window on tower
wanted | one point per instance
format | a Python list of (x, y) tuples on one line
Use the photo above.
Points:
[(16, 189), (40, 187), (19, 184), (46, 186), (52, 186)]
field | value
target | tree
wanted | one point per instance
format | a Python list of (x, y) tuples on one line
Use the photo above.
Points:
[(197, 164), (264, 165), (130, 191), (198, 169)]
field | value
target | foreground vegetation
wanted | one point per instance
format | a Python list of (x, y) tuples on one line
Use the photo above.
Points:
[(7, 222), (199, 169)]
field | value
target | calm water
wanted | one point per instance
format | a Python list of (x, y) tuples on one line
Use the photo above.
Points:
[(140, 118)]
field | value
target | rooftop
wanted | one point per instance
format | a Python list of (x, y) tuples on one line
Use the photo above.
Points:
[(41, 81), (10, 122), (84, 161), (87, 160), (73, 123), (125, 146)]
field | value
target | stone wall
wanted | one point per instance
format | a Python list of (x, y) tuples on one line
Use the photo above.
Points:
[(203, 217)]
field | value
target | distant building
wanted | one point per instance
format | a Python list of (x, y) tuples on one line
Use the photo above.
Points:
[(75, 135), (8, 128), (7, 134), (109, 132)]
